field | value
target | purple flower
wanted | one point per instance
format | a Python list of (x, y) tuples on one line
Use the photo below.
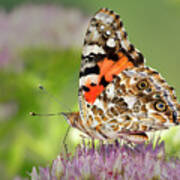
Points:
[(113, 161)]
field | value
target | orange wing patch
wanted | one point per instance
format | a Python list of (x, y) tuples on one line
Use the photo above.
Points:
[(93, 92), (108, 68)]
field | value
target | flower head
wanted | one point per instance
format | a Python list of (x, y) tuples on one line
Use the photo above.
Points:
[(113, 161)]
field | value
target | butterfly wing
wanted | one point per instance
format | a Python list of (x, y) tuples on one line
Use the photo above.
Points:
[(106, 53), (118, 95), (111, 68)]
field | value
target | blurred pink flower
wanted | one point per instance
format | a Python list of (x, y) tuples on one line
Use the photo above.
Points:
[(7, 110), (48, 25), (39, 26), (5, 56)]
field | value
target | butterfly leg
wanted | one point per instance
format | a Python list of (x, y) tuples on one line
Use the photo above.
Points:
[(116, 143), (93, 143), (64, 141)]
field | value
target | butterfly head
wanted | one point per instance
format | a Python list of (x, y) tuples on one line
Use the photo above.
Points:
[(72, 118)]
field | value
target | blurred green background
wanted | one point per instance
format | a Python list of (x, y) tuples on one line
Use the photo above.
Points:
[(40, 43)]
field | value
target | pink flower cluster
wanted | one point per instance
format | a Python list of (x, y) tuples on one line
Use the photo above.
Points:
[(113, 161)]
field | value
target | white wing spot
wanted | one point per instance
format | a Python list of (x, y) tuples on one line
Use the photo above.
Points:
[(92, 49), (110, 91), (130, 100), (93, 78), (111, 43), (102, 27), (104, 17), (108, 32)]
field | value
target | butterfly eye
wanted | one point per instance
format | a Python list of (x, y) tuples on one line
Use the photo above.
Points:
[(160, 106), (142, 85)]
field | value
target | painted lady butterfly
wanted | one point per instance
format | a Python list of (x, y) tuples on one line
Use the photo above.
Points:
[(118, 95)]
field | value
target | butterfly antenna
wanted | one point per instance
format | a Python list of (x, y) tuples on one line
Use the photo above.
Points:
[(53, 97), (55, 114), (48, 114)]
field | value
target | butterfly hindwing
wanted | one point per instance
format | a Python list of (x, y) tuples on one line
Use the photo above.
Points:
[(137, 100)]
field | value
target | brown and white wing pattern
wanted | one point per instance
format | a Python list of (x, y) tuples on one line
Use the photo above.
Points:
[(118, 95)]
